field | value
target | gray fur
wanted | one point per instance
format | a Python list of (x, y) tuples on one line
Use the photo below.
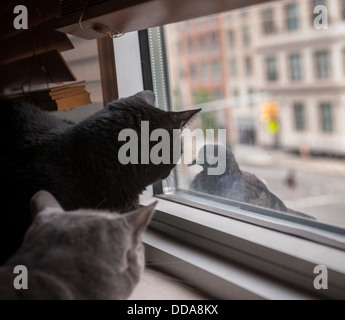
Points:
[(83, 254)]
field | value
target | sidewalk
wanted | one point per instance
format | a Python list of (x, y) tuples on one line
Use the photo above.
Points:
[(257, 156)]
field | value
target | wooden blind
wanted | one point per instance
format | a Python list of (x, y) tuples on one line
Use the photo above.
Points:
[(32, 56), (130, 15)]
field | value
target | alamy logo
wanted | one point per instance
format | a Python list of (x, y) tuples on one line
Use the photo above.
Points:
[(161, 152), (321, 281), (21, 280), (321, 21), (21, 20)]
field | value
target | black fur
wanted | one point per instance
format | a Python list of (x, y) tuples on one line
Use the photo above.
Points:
[(78, 164)]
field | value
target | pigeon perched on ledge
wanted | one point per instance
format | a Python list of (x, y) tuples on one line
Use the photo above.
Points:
[(235, 184)]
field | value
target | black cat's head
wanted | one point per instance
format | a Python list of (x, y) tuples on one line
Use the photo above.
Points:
[(150, 136)]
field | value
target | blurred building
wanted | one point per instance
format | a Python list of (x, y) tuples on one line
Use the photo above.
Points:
[(234, 62)]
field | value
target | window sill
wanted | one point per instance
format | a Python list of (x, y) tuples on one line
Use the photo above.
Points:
[(156, 285), (236, 259)]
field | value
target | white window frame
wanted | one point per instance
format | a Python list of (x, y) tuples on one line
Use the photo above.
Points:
[(235, 253)]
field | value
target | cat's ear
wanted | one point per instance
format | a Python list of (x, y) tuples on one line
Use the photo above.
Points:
[(140, 218), (182, 118), (42, 200), (148, 96)]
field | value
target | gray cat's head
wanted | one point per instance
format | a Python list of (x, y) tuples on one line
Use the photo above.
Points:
[(132, 112), (100, 254)]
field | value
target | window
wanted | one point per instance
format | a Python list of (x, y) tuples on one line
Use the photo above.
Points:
[(251, 97), (190, 46), (295, 67), (233, 67), (314, 4), (246, 36), (326, 117), (342, 6), (231, 38), (204, 71), (271, 66), (322, 64), (218, 94), (268, 21), (276, 133), (192, 72), (217, 72), (299, 117), (236, 98), (248, 66), (214, 41), (292, 16), (202, 45)]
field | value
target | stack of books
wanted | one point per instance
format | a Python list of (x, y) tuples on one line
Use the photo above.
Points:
[(58, 98)]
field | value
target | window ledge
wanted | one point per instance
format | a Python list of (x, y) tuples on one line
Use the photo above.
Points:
[(236, 259)]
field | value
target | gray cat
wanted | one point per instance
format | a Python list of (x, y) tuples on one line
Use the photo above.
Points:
[(83, 254), (77, 163)]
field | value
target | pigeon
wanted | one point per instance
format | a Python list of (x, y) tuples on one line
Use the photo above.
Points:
[(235, 184)]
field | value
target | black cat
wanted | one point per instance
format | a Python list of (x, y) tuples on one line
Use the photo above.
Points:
[(77, 163)]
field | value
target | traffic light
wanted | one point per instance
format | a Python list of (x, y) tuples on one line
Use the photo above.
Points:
[(269, 112), (270, 116)]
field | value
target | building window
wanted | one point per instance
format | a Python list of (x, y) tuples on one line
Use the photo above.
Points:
[(322, 64), (217, 73), (202, 45), (204, 71), (300, 120), (231, 37), (246, 36), (295, 67), (251, 97), (248, 66), (214, 41), (326, 117), (268, 24), (271, 66), (315, 3), (342, 8), (236, 97), (233, 68), (218, 94), (192, 72), (190, 46), (292, 16)]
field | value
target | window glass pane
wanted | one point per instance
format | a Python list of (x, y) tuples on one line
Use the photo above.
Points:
[(292, 18), (280, 101), (326, 117), (295, 67), (314, 4), (248, 65), (231, 37), (299, 116), (268, 21), (271, 66), (233, 68), (246, 36), (322, 64), (342, 4)]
